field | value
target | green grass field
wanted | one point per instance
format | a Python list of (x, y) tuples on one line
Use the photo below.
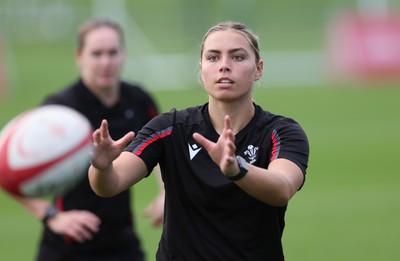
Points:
[(348, 208)]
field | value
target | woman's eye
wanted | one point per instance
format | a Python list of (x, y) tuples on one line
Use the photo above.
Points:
[(212, 58), (238, 58), (113, 52), (96, 54)]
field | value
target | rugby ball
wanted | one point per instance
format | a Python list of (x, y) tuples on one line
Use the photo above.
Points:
[(44, 151)]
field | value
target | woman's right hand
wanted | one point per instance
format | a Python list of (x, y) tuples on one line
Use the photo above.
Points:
[(105, 149)]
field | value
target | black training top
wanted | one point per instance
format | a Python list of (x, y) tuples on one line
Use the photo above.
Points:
[(131, 113), (207, 216)]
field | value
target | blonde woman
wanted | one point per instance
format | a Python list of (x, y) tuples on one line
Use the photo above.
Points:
[(229, 167)]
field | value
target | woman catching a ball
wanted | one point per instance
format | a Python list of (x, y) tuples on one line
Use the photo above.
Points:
[(229, 167)]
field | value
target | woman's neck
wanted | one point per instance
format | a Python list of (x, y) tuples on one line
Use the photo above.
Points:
[(239, 112), (108, 96)]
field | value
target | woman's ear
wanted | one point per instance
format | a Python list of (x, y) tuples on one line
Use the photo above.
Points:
[(78, 58), (200, 76), (259, 73)]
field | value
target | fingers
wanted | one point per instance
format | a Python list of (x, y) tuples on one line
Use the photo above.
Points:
[(126, 138), (96, 137), (80, 233), (155, 210), (100, 133), (227, 131), (104, 129), (205, 143), (157, 220), (226, 137), (79, 225), (227, 122), (86, 227), (223, 151), (230, 144), (105, 148)]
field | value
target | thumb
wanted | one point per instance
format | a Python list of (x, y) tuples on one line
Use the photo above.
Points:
[(204, 142), (126, 139)]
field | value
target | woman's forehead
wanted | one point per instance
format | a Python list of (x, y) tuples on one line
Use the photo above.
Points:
[(226, 39), (102, 37)]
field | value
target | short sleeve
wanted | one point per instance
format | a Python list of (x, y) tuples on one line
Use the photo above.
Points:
[(289, 141)]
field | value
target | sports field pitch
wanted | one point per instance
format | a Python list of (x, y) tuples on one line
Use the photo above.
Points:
[(348, 208)]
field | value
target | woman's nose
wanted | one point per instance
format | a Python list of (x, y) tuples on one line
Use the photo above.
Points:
[(225, 65)]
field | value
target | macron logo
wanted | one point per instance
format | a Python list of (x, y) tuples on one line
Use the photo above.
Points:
[(193, 150)]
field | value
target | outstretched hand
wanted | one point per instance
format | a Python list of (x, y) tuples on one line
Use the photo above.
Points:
[(223, 151), (105, 148)]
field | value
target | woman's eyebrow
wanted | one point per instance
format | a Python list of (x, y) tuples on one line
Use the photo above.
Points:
[(229, 51)]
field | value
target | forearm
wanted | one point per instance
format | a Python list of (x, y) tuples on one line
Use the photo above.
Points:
[(272, 186), (267, 187), (36, 206), (103, 181), (122, 173)]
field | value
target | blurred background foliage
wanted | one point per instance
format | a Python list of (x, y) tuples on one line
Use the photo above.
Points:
[(163, 38)]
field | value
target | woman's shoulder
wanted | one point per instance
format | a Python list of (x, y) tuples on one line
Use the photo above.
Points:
[(267, 118), (186, 112), (135, 91), (187, 116), (69, 95)]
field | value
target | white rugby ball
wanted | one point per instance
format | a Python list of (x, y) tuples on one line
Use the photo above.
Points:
[(44, 151)]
